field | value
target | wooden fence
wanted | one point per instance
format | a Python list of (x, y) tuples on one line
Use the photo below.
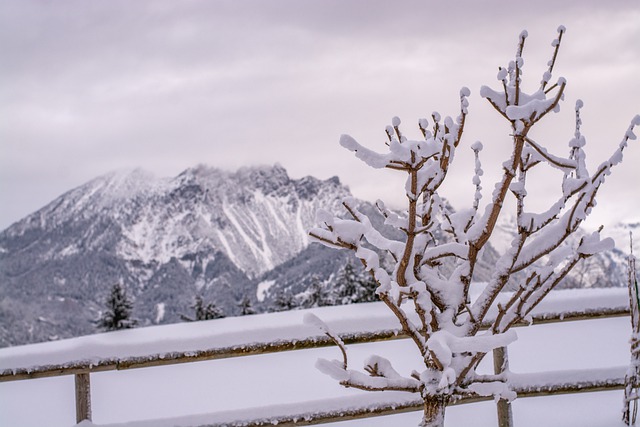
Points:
[(344, 408)]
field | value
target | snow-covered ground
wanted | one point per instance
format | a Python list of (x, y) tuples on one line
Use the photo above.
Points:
[(290, 377)]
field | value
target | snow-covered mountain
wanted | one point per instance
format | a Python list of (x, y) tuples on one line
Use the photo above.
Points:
[(257, 217), (206, 231), (222, 235), (604, 269), (621, 231)]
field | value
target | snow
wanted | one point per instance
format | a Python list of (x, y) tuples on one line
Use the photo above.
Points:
[(263, 328), (159, 312), (269, 202), (260, 252), (263, 288), (370, 157), (592, 244), (444, 344), (302, 230), (313, 320), (448, 349), (476, 146), (230, 253), (155, 213), (262, 386), (530, 111)]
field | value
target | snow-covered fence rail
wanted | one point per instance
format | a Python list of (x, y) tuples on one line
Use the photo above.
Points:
[(389, 403), (156, 346), (184, 343)]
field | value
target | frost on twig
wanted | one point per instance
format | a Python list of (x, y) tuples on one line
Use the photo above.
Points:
[(428, 289)]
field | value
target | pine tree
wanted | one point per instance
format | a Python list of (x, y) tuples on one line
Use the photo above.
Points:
[(368, 289), (284, 301), (317, 294), (347, 285), (118, 311), (353, 286), (245, 306), (206, 312)]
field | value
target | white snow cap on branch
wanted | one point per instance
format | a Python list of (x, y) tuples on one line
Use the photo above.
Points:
[(498, 389), (311, 319), (373, 159), (444, 344), (333, 368), (439, 251), (592, 244), (386, 378)]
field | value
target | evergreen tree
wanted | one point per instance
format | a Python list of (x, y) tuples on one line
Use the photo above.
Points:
[(245, 306), (347, 285), (368, 289), (353, 286), (118, 311), (284, 301), (205, 312), (317, 295)]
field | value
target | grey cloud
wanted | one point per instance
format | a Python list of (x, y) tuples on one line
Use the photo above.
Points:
[(87, 87)]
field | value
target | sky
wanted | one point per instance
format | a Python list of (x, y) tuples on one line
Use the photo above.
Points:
[(89, 87)]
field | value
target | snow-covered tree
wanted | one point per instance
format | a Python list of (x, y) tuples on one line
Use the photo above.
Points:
[(351, 287), (284, 300), (448, 322), (347, 285), (204, 311), (245, 306), (316, 295), (118, 311)]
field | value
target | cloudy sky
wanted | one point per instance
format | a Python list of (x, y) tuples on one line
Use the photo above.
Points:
[(88, 87)]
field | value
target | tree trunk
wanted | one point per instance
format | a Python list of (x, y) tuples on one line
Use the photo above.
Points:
[(434, 408)]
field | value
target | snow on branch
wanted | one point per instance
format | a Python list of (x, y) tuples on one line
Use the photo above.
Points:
[(362, 381), (313, 320), (428, 289)]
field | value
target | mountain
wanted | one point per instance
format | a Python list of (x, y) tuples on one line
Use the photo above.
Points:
[(205, 231), (620, 233), (226, 236), (603, 270)]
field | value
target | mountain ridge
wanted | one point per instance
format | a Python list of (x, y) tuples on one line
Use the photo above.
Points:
[(205, 231), (225, 236)]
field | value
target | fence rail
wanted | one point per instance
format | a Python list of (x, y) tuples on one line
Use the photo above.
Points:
[(388, 403), (248, 349), (369, 405)]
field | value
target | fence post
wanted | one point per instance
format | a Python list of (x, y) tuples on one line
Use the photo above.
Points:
[(501, 364), (83, 397), (632, 379)]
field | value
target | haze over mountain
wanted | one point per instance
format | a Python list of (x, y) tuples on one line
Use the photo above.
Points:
[(222, 235)]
